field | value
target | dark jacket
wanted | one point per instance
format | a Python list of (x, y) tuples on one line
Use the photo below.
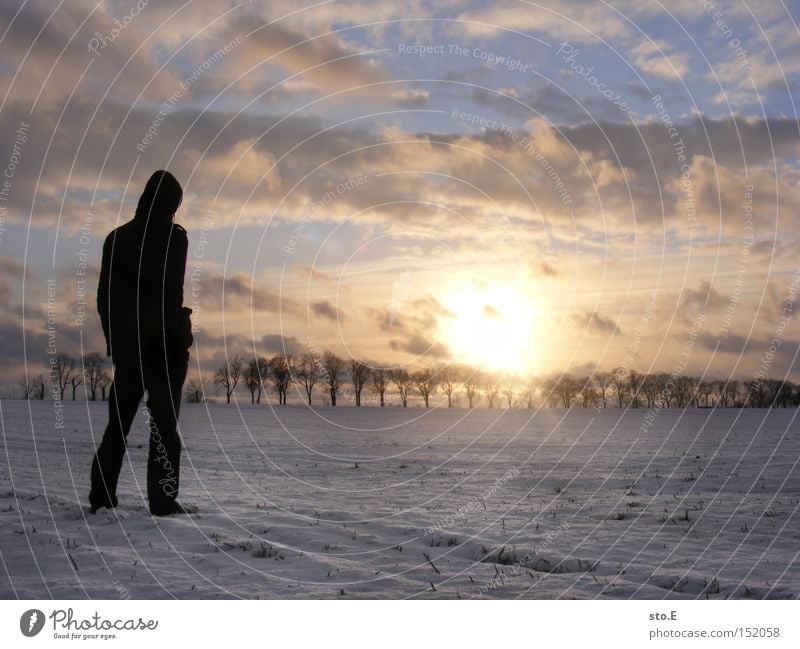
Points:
[(140, 292)]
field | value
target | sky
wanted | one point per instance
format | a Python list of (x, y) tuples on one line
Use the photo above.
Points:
[(531, 188)]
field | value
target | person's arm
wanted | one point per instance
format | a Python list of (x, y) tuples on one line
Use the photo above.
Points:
[(173, 281), (102, 291)]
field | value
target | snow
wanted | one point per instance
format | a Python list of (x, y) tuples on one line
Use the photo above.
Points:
[(411, 503)]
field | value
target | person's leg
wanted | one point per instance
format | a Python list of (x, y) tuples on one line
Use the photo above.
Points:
[(126, 392), (178, 368), (164, 386)]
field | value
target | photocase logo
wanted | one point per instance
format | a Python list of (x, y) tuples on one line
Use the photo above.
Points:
[(31, 622)]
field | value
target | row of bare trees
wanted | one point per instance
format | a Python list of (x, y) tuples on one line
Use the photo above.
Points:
[(620, 388), (352, 378), (307, 372), (65, 372), (632, 389)]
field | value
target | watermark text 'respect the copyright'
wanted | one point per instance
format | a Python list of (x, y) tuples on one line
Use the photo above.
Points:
[(493, 59)]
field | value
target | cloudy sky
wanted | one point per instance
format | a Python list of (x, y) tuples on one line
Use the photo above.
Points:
[(529, 187)]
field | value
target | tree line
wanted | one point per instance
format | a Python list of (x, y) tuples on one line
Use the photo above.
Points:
[(359, 382), (67, 373)]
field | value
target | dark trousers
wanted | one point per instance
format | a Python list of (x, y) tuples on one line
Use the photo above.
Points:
[(163, 380)]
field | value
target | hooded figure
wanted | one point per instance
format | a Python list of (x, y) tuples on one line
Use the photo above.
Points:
[(148, 335)]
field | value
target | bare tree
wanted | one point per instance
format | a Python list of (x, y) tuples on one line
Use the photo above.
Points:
[(704, 391), (649, 388), (104, 382), (332, 371), (227, 376), (425, 382), (28, 387), (63, 369), (784, 394), (753, 393), (280, 373), (402, 381), (567, 388), (604, 381), (39, 387), (682, 391), (472, 379), (194, 392), (509, 386), (252, 379), (774, 389), (529, 393), (732, 393), (719, 393), (550, 391), (359, 374), (448, 379), (491, 388), (690, 386), (618, 381), (665, 390), (634, 386), (585, 391), (380, 382), (307, 372), (263, 373), (76, 380), (93, 368)]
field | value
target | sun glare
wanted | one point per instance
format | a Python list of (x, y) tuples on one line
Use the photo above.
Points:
[(496, 328)]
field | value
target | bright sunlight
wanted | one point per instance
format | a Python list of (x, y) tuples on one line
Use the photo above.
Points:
[(496, 327)]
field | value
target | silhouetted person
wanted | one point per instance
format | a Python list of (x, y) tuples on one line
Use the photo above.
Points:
[(148, 335)]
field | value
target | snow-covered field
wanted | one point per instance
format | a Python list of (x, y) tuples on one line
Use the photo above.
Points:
[(393, 503)]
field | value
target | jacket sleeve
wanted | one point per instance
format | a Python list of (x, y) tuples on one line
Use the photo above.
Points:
[(102, 291), (173, 281)]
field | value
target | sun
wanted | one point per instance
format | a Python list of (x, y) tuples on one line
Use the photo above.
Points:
[(494, 327)]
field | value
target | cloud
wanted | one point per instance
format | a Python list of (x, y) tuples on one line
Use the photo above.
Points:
[(704, 297), (719, 194), (214, 349), (421, 314), (594, 322), (240, 168), (6, 292), (412, 327), (46, 53), (421, 347), (240, 292), (327, 310), (543, 269), (555, 20), (429, 304), (13, 268), (280, 344), (313, 273), (489, 311), (659, 59), (728, 344), (259, 161), (611, 172), (325, 62)]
